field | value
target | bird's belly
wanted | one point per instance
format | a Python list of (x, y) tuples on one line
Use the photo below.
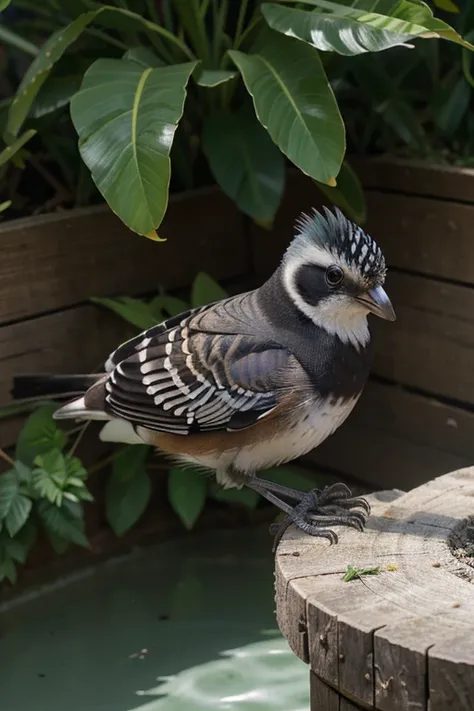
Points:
[(308, 431), (311, 427)]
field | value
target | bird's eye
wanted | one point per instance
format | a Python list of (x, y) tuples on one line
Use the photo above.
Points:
[(334, 275)]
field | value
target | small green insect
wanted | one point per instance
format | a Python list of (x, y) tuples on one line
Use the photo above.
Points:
[(352, 573)]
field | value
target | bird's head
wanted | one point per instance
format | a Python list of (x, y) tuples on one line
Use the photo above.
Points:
[(334, 273)]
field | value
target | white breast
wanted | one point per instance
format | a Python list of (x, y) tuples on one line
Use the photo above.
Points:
[(310, 429), (312, 425)]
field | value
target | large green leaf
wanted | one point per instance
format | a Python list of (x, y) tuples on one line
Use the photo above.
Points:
[(245, 162), (348, 194), (295, 103), (9, 489), (54, 48), (128, 489), (18, 514), (39, 69), (187, 491), (39, 434), (62, 521), (356, 26), (126, 117)]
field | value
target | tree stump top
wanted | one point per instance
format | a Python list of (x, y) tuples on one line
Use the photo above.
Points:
[(399, 640)]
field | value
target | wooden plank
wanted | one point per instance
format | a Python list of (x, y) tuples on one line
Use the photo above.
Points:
[(451, 673), (73, 341), (401, 662), (411, 177), (430, 345), (53, 261), (323, 698), (424, 235), (395, 438)]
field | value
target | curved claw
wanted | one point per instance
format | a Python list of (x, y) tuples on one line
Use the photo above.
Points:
[(354, 502), (318, 509)]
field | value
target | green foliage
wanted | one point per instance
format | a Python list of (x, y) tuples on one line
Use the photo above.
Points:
[(415, 104), (39, 435), (187, 492), (352, 573), (47, 486), (128, 488), (194, 85)]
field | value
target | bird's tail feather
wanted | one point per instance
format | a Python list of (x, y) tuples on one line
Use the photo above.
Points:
[(57, 387)]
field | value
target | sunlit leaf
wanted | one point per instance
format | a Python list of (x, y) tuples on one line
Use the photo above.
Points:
[(294, 102), (355, 26), (126, 117)]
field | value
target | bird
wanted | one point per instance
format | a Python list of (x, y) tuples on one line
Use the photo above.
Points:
[(254, 380)]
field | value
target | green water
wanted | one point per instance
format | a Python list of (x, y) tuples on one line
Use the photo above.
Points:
[(181, 626)]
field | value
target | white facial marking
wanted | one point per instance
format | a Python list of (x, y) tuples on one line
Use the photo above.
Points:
[(341, 315)]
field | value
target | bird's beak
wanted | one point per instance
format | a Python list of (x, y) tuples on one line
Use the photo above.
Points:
[(378, 303)]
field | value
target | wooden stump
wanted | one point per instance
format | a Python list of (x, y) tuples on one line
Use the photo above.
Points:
[(399, 640)]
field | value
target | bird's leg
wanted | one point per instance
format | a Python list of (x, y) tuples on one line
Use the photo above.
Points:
[(314, 510)]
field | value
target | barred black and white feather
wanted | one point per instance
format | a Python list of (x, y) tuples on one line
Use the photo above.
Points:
[(203, 371)]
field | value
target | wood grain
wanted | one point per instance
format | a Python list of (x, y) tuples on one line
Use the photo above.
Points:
[(395, 438), (72, 341), (412, 177), (324, 698), (53, 261), (403, 637), (430, 345), (419, 234)]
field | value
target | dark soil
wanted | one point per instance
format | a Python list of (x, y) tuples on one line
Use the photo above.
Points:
[(462, 547)]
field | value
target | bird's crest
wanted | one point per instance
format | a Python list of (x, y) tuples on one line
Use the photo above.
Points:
[(342, 239)]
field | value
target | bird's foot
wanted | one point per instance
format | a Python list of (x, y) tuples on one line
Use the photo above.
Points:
[(319, 508)]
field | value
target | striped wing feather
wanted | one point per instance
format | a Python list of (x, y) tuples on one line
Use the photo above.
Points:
[(179, 379)]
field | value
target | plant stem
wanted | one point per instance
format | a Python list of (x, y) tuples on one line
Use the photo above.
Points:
[(14, 40), (4, 455), (79, 437), (101, 463), (252, 25), (240, 21), (220, 19), (106, 38), (152, 11), (466, 66)]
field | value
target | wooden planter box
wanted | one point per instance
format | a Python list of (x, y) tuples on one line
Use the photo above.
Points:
[(415, 419), (51, 265)]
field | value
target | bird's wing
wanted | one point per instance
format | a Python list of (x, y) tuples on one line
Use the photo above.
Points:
[(201, 371)]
